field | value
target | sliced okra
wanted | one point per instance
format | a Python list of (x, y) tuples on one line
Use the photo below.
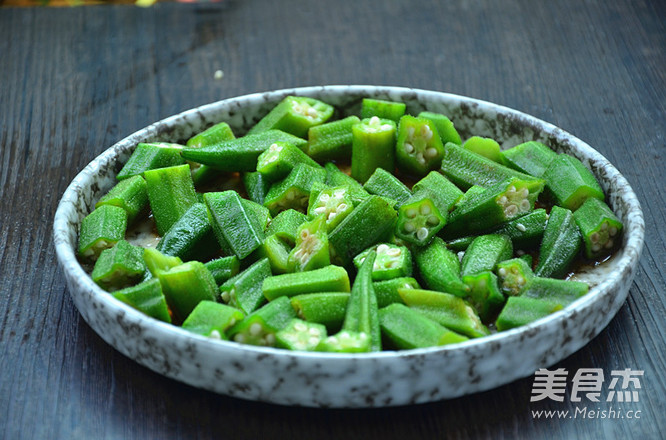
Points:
[(486, 147), (328, 279), (214, 135), (362, 311), (419, 220), (326, 308), (151, 156), (191, 237), (570, 182), (472, 191), (293, 192), (171, 193), (385, 184), (531, 158), (185, 286), (382, 109), (295, 115), (514, 275), (259, 214), (559, 292), (373, 146), (285, 225), (146, 297), (520, 310), (279, 159), (445, 128), (212, 319), (407, 329), (460, 244), (157, 262), (311, 249), (100, 230), (300, 335), (484, 294), (392, 261), (335, 177), (560, 244), (443, 193), (526, 231), (223, 268), (387, 291), (599, 226), (277, 252), (485, 252), (119, 267), (243, 291), (334, 204), (440, 268), (332, 140), (346, 341), (260, 326), (418, 148), (256, 186), (129, 194)]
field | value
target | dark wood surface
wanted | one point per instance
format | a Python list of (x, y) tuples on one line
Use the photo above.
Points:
[(75, 81)]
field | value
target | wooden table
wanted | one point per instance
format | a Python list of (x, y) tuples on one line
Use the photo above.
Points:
[(74, 81)]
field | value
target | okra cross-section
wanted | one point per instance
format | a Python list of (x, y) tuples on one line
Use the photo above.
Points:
[(514, 275), (311, 250), (599, 227), (300, 335), (293, 192), (419, 220), (295, 115), (419, 148), (392, 261), (279, 159), (260, 327), (212, 319), (333, 204), (373, 146)]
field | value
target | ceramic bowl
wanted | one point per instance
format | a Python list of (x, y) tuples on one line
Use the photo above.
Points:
[(351, 380)]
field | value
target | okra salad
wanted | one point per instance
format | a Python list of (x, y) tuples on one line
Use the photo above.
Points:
[(378, 231)]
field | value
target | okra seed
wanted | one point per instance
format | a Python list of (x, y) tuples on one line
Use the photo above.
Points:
[(426, 132), (333, 340), (382, 248), (215, 335), (270, 339), (596, 247), (604, 226), (521, 227), (339, 193), (394, 252), (299, 326), (376, 266), (331, 216), (411, 213), (525, 192), (324, 197), (420, 158), (525, 205), (314, 331), (291, 195), (520, 252), (255, 329), (430, 153), (432, 220), (520, 280), (594, 237), (609, 244), (409, 227), (320, 210), (409, 148), (502, 200), (511, 210), (313, 340), (225, 296), (312, 112), (612, 231), (374, 121), (240, 338), (410, 132), (387, 127), (422, 233), (424, 209), (342, 207), (232, 321), (511, 189), (502, 272)]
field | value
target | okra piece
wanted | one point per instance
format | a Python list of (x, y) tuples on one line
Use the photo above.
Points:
[(333, 204), (419, 220), (259, 214), (387, 291), (473, 190), (119, 267), (335, 177), (440, 268), (570, 182), (385, 184), (243, 291), (369, 223), (146, 297), (460, 244), (373, 146), (418, 148), (326, 308), (285, 225), (171, 193), (157, 262), (279, 159), (295, 115), (406, 329), (299, 335), (311, 250), (256, 186), (293, 192), (327, 279), (560, 245), (486, 147), (440, 190), (151, 156), (559, 292), (525, 231), (277, 252), (185, 286), (600, 228), (484, 294), (520, 310), (392, 261), (446, 309), (240, 154), (362, 311), (346, 342), (191, 237), (332, 140), (236, 227), (100, 230), (485, 252), (214, 135), (212, 319), (223, 268), (129, 194), (531, 158), (382, 109), (445, 128), (260, 327), (466, 168), (514, 275)]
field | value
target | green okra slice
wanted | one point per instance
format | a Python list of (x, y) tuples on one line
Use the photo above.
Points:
[(570, 182), (333, 204), (382, 109), (129, 194), (387, 291), (150, 156), (260, 326), (293, 192), (443, 193), (531, 158), (277, 252), (185, 286), (406, 329), (332, 140), (559, 292), (560, 244), (326, 308), (419, 148), (212, 319), (525, 231), (211, 136), (240, 154), (300, 335), (119, 267), (373, 146), (223, 268), (244, 291), (484, 294), (439, 268), (259, 214), (485, 252), (236, 227), (295, 115), (100, 230), (371, 222), (171, 193), (285, 225), (335, 177), (311, 249), (392, 261), (256, 186), (514, 275), (157, 262), (327, 279), (279, 159), (362, 311), (446, 309), (599, 226), (472, 191), (520, 310), (191, 237), (486, 147), (460, 244), (146, 297), (346, 341), (445, 128), (385, 184), (466, 168)]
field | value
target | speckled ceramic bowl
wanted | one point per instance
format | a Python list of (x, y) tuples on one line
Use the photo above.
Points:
[(351, 380)]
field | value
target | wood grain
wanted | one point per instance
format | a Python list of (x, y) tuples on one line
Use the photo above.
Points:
[(74, 81)]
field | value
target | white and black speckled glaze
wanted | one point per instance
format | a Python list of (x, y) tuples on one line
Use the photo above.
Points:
[(351, 380)]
